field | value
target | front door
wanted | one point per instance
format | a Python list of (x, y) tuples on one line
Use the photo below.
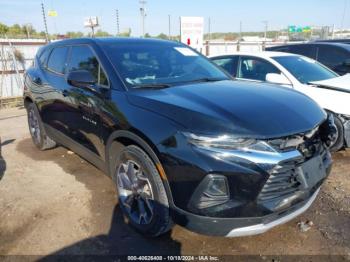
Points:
[(85, 120)]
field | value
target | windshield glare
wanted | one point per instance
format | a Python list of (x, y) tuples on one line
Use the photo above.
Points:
[(304, 69), (151, 64)]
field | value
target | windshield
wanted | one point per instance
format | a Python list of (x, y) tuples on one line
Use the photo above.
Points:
[(153, 64), (304, 69)]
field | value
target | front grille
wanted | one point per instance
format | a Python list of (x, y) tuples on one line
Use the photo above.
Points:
[(283, 181)]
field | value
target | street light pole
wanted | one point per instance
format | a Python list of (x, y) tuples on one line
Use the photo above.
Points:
[(143, 15), (240, 30), (209, 30), (266, 26), (169, 21), (343, 17), (117, 14)]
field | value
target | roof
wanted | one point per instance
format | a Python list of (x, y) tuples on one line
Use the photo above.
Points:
[(342, 45), (262, 54), (113, 40)]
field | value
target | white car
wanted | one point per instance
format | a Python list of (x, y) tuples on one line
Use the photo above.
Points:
[(301, 73)]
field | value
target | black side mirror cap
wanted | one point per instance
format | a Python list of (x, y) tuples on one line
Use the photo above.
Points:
[(81, 78)]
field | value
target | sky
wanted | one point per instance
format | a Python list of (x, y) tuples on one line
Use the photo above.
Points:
[(225, 15)]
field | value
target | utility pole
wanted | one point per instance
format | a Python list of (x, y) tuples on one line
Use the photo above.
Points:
[(240, 30), (45, 24), (342, 20), (266, 23), (143, 16), (169, 21), (117, 15), (209, 30)]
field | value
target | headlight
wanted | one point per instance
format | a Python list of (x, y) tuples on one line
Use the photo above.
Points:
[(228, 142)]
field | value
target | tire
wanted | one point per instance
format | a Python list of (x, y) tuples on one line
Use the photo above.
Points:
[(339, 143), (146, 209), (36, 129)]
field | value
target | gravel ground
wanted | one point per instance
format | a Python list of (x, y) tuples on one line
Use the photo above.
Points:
[(54, 202)]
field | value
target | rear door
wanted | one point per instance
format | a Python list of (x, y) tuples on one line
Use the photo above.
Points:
[(54, 107)]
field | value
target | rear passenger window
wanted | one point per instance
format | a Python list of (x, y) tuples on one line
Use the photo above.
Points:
[(228, 63), (82, 58), (332, 56), (279, 49), (305, 50), (57, 60)]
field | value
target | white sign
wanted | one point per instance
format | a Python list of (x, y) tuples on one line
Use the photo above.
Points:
[(91, 21), (186, 51), (192, 29)]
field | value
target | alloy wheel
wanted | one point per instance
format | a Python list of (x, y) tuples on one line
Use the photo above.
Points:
[(135, 192), (34, 126)]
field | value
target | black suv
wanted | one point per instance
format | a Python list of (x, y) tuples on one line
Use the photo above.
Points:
[(180, 139), (335, 56)]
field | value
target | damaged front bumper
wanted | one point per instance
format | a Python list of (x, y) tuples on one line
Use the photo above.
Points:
[(346, 125)]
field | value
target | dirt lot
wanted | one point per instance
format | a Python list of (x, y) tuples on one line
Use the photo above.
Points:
[(54, 202)]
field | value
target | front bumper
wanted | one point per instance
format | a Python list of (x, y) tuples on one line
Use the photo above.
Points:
[(237, 227), (346, 124), (263, 227)]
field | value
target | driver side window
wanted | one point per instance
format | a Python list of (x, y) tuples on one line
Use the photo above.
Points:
[(255, 68), (82, 58)]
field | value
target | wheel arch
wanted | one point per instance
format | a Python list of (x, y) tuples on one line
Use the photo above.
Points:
[(119, 139), (27, 100)]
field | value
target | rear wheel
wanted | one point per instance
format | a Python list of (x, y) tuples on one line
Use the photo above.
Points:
[(338, 144), (36, 129), (142, 196)]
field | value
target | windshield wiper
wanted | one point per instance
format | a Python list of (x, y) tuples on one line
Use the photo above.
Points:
[(206, 79), (152, 86)]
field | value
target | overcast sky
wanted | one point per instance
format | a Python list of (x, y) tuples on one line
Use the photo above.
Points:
[(225, 14)]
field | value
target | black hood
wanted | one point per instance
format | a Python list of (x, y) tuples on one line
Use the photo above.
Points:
[(234, 107)]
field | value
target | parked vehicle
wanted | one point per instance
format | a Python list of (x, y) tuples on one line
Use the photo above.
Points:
[(303, 74), (181, 140), (342, 40), (335, 56)]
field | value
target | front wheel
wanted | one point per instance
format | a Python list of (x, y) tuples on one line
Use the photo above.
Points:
[(338, 144), (142, 196)]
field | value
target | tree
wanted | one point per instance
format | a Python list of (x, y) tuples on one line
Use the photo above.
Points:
[(15, 30), (28, 30), (101, 33), (126, 33), (147, 35), (3, 29), (72, 34), (162, 36)]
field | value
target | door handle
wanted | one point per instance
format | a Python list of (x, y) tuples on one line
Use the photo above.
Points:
[(65, 92)]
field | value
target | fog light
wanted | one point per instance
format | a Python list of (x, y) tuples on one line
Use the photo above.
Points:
[(212, 191)]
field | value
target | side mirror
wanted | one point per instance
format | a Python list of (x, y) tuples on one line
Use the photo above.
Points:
[(277, 79), (347, 62), (81, 78)]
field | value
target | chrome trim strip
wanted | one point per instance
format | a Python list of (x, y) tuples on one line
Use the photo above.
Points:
[(262, 228), (272, 158), (257, 157)]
